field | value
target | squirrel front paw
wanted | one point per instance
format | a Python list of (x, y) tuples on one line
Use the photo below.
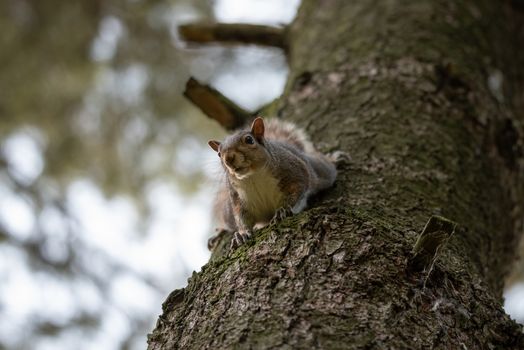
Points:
[(281, 214), (240, 238)]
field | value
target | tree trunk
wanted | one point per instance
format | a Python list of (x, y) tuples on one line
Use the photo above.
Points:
[(424, 97)]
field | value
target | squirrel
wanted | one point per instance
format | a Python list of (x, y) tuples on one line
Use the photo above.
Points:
[(270, 171)]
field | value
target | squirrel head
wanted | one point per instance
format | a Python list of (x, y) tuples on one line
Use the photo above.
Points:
[(243, 153)]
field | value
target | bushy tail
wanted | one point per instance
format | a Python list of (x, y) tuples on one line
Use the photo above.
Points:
[(286, 132)]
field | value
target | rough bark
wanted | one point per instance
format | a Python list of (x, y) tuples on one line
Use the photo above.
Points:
[(411, 91)]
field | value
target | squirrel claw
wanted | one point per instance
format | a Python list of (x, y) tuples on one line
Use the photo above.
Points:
[(240, 238), (281, 214), (340, 157)]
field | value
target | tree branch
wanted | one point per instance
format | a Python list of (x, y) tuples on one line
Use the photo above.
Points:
[(236, 33), (215, 105)]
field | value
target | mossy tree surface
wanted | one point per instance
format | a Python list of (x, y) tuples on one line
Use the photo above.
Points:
[(423, 96)]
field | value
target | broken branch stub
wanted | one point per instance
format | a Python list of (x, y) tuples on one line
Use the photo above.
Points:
[(234, 33), (434, 236), (215, 105)]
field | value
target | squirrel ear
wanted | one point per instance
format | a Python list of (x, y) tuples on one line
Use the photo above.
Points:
[(214, 145), (257, 128)]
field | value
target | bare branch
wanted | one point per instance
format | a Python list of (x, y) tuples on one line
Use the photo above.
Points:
[(236, 33), (215, 105)]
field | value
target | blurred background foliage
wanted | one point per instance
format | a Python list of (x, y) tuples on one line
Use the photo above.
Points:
[(104, 169), (99, 81), (104, 179)]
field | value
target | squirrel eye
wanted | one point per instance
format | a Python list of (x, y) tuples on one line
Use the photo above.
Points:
[(218, 154), (249, 140)]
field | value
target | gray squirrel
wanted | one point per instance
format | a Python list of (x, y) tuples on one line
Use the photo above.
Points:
[(270, 170)]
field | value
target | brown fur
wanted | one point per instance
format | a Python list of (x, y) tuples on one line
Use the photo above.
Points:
[(270, 166)]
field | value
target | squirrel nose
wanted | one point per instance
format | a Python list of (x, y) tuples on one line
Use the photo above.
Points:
[(230, 158)]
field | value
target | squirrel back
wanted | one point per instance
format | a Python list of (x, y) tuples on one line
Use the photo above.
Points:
[(270, 170)]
